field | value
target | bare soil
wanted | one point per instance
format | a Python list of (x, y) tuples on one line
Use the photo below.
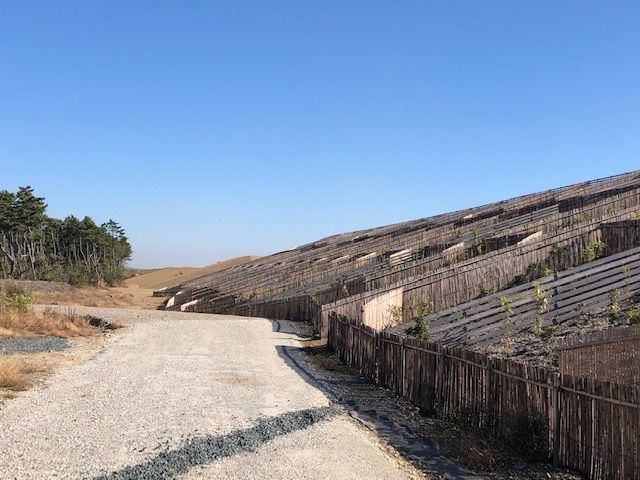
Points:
[(540, 350)]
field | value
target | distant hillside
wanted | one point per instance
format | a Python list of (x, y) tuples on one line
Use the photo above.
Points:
[(166, 277)]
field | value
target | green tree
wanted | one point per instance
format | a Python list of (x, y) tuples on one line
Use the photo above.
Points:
[(33, 245)]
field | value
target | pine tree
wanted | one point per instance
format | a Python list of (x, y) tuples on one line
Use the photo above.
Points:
[(33, 245)]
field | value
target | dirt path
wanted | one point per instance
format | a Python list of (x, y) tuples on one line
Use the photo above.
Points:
[(187, 396)]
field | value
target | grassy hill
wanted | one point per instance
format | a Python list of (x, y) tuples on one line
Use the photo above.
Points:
[(166, 277)]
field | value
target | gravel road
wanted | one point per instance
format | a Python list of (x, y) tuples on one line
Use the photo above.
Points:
[(187, 396)]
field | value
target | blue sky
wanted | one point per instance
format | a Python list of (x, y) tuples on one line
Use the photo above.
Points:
[(211, 129)]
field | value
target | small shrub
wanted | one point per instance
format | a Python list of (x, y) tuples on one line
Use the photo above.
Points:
[(542, 302), (77, 277), (614, 305), (507, 344), (635, 216), (484, 291), (559, 250), (528, 435), (534, 271), (395, 314), (477, 247), (634, 317), (424, 308), (15, 297), (594, 251), (421, 329), (507, 307)]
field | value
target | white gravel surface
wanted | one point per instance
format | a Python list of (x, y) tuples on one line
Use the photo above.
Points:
[(179, 395)]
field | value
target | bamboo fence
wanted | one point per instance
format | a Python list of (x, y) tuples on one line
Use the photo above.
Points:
[(611, 355), (584, 424)]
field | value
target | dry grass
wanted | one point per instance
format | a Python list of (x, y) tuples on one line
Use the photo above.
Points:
[(117, 297), (166, 277), (19, 371), (160, 278), (15, 373), (47, 323)]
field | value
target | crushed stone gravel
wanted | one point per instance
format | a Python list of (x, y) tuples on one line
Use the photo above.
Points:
[(189, 396), (207, 449), (12, 345)]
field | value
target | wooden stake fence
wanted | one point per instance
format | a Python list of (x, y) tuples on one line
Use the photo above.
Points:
[(584, 424)]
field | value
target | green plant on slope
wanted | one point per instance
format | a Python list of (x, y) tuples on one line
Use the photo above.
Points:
[(15, 298), (634, 317), (559, 250), (542, 303), (534, 271), (594, 251), (484, 291), (421, 328), (615, 310), (507, 307), (395, 314)]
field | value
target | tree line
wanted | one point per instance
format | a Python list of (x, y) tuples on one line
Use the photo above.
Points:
[(34, 246)]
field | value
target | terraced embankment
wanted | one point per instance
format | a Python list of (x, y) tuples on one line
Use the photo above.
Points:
[(447, 260)]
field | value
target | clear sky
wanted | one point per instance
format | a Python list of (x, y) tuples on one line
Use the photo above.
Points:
[(212, 129)]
